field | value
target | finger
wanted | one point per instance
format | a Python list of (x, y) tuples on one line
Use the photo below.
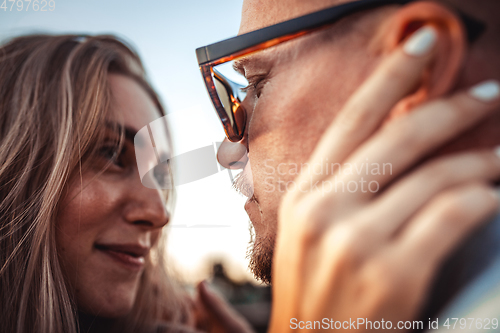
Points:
[(221, 312), (411, 193), (406, 140), (368, 107), (193, 314), (442, 224)]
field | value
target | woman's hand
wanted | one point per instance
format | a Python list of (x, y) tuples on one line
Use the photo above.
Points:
[(215, 315), (346, 254)]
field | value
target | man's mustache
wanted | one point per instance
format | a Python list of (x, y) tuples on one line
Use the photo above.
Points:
[(243, 184)]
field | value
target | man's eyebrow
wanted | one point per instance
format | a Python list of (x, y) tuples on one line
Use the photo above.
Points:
[(260, 57), (239, 65)]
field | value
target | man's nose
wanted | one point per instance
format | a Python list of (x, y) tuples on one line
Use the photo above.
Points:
[(233, 155), (145, 206)]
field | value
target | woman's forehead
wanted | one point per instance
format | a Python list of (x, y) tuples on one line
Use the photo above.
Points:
[(132, 104)]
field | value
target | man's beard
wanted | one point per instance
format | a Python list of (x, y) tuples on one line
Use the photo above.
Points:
[(260, 253)]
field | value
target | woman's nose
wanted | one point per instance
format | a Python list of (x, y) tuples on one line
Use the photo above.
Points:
[(232, 155), (147, 206)]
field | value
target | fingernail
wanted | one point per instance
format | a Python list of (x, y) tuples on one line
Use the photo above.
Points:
[(495, 193), (421, 41), (497, 151), (486, 91)]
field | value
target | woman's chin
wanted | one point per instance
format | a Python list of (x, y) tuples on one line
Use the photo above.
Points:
[(108, 305), (109, 311)]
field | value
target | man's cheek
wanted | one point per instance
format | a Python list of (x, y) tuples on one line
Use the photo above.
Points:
[(269, 186)]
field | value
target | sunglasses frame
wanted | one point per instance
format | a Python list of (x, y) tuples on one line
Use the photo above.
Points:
[(231, 49)]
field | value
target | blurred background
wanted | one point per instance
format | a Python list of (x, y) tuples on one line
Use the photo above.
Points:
[(209, 234)]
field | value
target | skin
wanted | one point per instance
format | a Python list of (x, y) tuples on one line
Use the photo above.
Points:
[(115, 207), (283, 131), (373, 255), (111, 208)]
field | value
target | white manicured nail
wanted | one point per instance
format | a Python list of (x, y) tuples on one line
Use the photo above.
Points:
[(497, 151), (495, 193), (421, 41), (486, 91)]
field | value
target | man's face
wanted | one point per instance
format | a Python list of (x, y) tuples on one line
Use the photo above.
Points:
[(300, 87)]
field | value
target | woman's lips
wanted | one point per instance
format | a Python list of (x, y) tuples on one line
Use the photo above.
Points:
[(130, 260)]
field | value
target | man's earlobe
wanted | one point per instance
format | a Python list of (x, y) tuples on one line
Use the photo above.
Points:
[(440, 77)]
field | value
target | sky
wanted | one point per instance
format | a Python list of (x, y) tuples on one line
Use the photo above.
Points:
[(209, 219)]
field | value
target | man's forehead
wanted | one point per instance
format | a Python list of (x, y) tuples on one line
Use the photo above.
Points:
[(257, 14)]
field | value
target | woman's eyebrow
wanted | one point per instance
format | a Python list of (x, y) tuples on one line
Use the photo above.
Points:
[(129, 133)]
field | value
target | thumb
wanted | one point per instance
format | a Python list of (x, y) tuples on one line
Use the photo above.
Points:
[(221, 312)]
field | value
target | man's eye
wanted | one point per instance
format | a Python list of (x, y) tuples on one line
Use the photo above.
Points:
[(258, 88), (255, 86), (247, 88)]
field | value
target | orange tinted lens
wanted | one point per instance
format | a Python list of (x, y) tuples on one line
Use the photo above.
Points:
[(230, 85)]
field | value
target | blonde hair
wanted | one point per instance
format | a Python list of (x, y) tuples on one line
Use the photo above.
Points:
[(54, 98)]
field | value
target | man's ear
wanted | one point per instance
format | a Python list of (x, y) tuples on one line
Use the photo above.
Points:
[(441, 76)]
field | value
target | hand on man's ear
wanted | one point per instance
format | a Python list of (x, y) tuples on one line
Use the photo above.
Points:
[(448, 54)]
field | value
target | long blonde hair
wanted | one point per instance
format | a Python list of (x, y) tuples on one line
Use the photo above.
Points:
[(54, 98)]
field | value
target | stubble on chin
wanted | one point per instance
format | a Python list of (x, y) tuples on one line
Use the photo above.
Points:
[(260, 253)]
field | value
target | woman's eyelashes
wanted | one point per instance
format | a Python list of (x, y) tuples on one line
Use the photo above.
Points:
[(112, 153)]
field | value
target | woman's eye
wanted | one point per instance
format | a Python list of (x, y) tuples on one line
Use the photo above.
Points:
[(112, 154), (163, 176)]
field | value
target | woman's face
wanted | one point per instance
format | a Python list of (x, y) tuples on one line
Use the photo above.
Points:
[(108, 222)]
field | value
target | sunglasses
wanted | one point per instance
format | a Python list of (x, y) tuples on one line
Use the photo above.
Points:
[(226, 87)]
